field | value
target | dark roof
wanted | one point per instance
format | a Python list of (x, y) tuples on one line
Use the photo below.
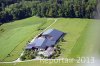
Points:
[(42, 42), (29, 46), (54, 33), (50, 43)]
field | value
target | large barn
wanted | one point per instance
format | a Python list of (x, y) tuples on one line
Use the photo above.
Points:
[(46, 39)]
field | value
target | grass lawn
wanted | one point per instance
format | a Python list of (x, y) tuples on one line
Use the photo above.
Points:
[(16, 35), (73, 28), (77, 35)]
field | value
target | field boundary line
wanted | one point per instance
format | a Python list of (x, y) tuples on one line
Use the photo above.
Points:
[(80, 35)]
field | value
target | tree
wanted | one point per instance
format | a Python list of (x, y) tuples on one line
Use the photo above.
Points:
[(20, 9)]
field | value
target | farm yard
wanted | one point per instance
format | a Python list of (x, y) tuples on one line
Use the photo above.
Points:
[(49, 32), (15, 35)]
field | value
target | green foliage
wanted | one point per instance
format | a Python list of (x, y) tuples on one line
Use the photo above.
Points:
[(20, 9), (57, 52), (15, 35), (28, 54)]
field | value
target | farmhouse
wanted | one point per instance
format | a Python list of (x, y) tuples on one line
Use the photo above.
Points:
[(48, 52), (46, 39)]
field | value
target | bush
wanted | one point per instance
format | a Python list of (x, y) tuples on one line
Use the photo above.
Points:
[(28, 54), (22, 57), (57, 52)]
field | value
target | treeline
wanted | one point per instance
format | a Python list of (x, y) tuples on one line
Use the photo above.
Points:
[(19, 9)]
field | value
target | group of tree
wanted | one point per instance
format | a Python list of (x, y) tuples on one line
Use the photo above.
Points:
[(28, 55), (19, 9)]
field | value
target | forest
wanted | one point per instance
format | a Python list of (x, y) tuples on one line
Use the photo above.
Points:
[(19, 9)]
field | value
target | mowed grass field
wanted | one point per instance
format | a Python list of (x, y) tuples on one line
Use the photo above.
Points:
[(15, 35), (75, 45), (74, 29)]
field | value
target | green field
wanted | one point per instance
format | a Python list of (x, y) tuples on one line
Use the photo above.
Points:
[(73, 28), (18, 33), (15, 35)]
